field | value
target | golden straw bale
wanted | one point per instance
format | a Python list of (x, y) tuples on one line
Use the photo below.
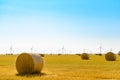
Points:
[(110, 56), (84, 56), (27, 63)]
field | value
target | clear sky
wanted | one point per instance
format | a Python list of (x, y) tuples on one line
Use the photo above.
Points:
[(48, 25)]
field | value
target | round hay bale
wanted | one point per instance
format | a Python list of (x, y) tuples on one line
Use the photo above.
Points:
[(84, 56), (110, 56), (28, 63)]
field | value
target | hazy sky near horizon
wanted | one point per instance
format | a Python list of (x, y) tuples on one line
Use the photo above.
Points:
[(47, 25)]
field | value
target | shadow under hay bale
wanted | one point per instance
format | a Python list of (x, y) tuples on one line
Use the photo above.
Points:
[(32, 74), (110, 56), (29, 63), (85, 56)]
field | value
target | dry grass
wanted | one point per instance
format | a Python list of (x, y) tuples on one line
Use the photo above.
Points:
[(65, 67)]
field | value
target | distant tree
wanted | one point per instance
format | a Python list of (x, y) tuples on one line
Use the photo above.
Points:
[(78, 54), (42, 55), (59, 54), (119, 53)]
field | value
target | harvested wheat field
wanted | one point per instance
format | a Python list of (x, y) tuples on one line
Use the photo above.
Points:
[(64, 67)]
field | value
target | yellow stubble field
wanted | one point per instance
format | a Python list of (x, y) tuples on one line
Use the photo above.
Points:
[(64, 67)]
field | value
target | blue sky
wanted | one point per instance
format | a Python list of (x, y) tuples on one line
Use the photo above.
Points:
[(47, 25)]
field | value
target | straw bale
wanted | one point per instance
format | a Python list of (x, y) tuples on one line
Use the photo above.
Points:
[(27, 63), (110, 56)]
